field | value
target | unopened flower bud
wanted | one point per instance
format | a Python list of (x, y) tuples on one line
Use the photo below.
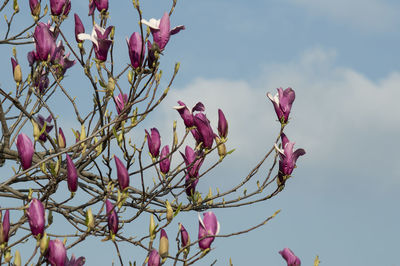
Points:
[(170, 212), (17, 259), (44, 243), (221, 147), (7, 256), (152, 227), (61, 138), (89, 219), (164, 244), (16, 71)]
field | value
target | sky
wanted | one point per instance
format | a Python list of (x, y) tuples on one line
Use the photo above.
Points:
[(340, 57)]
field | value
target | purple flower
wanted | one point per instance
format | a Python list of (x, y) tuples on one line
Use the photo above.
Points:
[(61, 138), (204, 129), (35, 215), (57, 7), (75, 261), (185, 239), (112, 217), (160, 29), (164, 160), (154, 142), (5, 227), (192, 172), (154, 258), (99, 4), (72, 175), (56, 253), (288, 158), (291, 259), (79, 28), (42, 82), (187, 115), (35, 7), (45, 43), (222, 124), (122, 173), (136, 49), (282, 101), (100, 40), (25, 150), (121, 100), (41, 120), (208, 226), (151, 55), (62, 61)]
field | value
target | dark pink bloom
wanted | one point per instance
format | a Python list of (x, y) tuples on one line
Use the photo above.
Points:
[(45, 43), (288, 158), (121, 100), (35, 7), (62, 61), (282, 102), (136, 50), (56, 253), (25, 150), (222, 124), (41, 121), (75, 261), (193, 165), (161, 30), (99, 4), (164, 160), (184, 235), (151, 58), (57, 7), (14, 64), (186, 114), (291, 259), (72, 175), (154, 142), (5, 227), (122, 173), (36, 217), (100, 39), (208, 226), (154, 258), (79, 28), (112, 217), (204, 129)]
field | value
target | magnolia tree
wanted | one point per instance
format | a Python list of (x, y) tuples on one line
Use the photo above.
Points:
[(99, 164)]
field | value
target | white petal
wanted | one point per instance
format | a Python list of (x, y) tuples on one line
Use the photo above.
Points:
[(201, 221), (274, 98), (279, 150), (153, 23), (98, 28), (179, 107), (218, 227)]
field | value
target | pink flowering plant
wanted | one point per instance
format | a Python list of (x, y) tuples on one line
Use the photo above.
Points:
[(101, 169)]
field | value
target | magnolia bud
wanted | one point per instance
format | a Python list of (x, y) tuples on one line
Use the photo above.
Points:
[(152, 227), (17, 259), (170, 212), (7, 256), (221, 147), (164, 244), (89, 219), (44, 243)]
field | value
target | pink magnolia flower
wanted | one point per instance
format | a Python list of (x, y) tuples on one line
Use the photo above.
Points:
[(209, 225), (161, 31), (282, 102), (291, 259), (100, 40), (25, 150), (36, 218)]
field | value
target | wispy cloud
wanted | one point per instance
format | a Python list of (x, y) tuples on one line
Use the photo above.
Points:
[(345, 120), (368, 15)]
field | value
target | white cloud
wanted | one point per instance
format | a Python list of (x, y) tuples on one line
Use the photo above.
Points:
[(342, 118), (375, 15)]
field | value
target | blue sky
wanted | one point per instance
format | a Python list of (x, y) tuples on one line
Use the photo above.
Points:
[(341, 59)]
